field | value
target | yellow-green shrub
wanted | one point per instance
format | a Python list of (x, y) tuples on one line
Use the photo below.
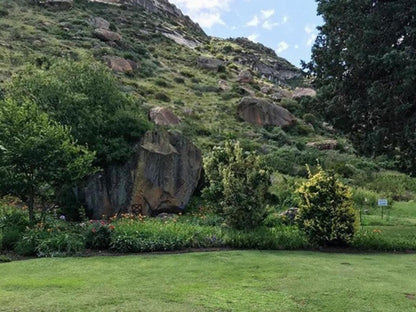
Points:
[(326, 211)]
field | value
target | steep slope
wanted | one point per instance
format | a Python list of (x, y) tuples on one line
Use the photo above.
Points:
[(198, 83)]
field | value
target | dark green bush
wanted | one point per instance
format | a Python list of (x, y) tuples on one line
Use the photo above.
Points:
[(98, 235), (326, 211), (162, 97), (13, 223)]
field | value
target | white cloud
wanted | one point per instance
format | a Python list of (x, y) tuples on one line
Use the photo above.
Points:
[(269, 26), (282, 46), (266, 14), (205, 13), (254, 22), (253, 37), (311, 39), (296, 46), (285, 19), (309, 29), (207, 19)]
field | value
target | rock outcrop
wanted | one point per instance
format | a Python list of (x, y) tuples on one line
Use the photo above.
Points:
[(107, 35), (262, 112), (163, 116), (119, 64), (245, 77), (161, 177)]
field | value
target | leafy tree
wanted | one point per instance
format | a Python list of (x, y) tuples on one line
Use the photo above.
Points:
[(326, 211), (238, 185), (38, 155), (364, 64), (85, 96)]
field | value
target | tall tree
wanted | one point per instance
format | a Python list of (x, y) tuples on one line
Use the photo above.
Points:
[(85, 96), (37, 155), (364, 64)]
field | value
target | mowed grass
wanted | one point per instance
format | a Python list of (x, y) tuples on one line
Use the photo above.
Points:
[(219, 281)]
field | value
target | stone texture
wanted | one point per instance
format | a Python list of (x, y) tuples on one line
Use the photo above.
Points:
[(324, 145), (223, 85), (209, 63), (300, 92), (107, 35), (99, 22), (245, 77), (160, 177), (163, 116), (262, 112), (119, 64)]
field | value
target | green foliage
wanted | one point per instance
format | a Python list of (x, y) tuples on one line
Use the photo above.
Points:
[(238, 183), (38, 155), (326, 213), (365, 67), (98, 235), (131, 235), (85, 97), (13, 223), (276, 238)]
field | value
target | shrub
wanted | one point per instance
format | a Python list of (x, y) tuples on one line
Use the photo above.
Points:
[(13, 223), (162, 97), (98, 235), (326, 212), (238, 185)]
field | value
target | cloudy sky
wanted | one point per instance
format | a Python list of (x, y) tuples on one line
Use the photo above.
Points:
[(287, 26)]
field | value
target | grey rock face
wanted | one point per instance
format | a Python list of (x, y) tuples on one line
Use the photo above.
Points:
[(262, 112), (161, 177), (119, 64), (99, 22)]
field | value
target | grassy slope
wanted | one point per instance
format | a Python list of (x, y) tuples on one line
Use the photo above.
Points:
[(223, 281)]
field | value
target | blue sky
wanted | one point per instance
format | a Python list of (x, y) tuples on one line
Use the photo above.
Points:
[(287, 26)]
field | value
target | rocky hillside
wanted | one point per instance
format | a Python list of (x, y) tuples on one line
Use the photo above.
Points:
[(203, 90)]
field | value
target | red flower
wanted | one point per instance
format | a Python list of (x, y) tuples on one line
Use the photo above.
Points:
[(94, 230), (111, 227)]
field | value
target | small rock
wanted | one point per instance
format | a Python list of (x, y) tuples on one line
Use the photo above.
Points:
[(245, 77), (223, 85), (107, 35), (120, 64), (162, 116), (99, 22)]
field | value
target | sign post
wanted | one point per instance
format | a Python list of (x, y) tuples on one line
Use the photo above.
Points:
[(382, 202)]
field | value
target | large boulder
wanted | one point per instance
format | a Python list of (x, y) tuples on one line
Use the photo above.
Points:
[(119, 64), (107, 35), (161, 177), (262, 112), (163, 116), (57, 4), (209, 63)]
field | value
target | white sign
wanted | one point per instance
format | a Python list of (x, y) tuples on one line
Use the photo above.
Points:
[(382, 202)]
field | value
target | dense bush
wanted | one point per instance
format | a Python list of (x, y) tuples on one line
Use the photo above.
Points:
[(98, 235), (85, 96), (326, 212), (13, 223), (238, 184)]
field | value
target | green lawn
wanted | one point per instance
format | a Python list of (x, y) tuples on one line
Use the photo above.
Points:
[(220, 281)]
